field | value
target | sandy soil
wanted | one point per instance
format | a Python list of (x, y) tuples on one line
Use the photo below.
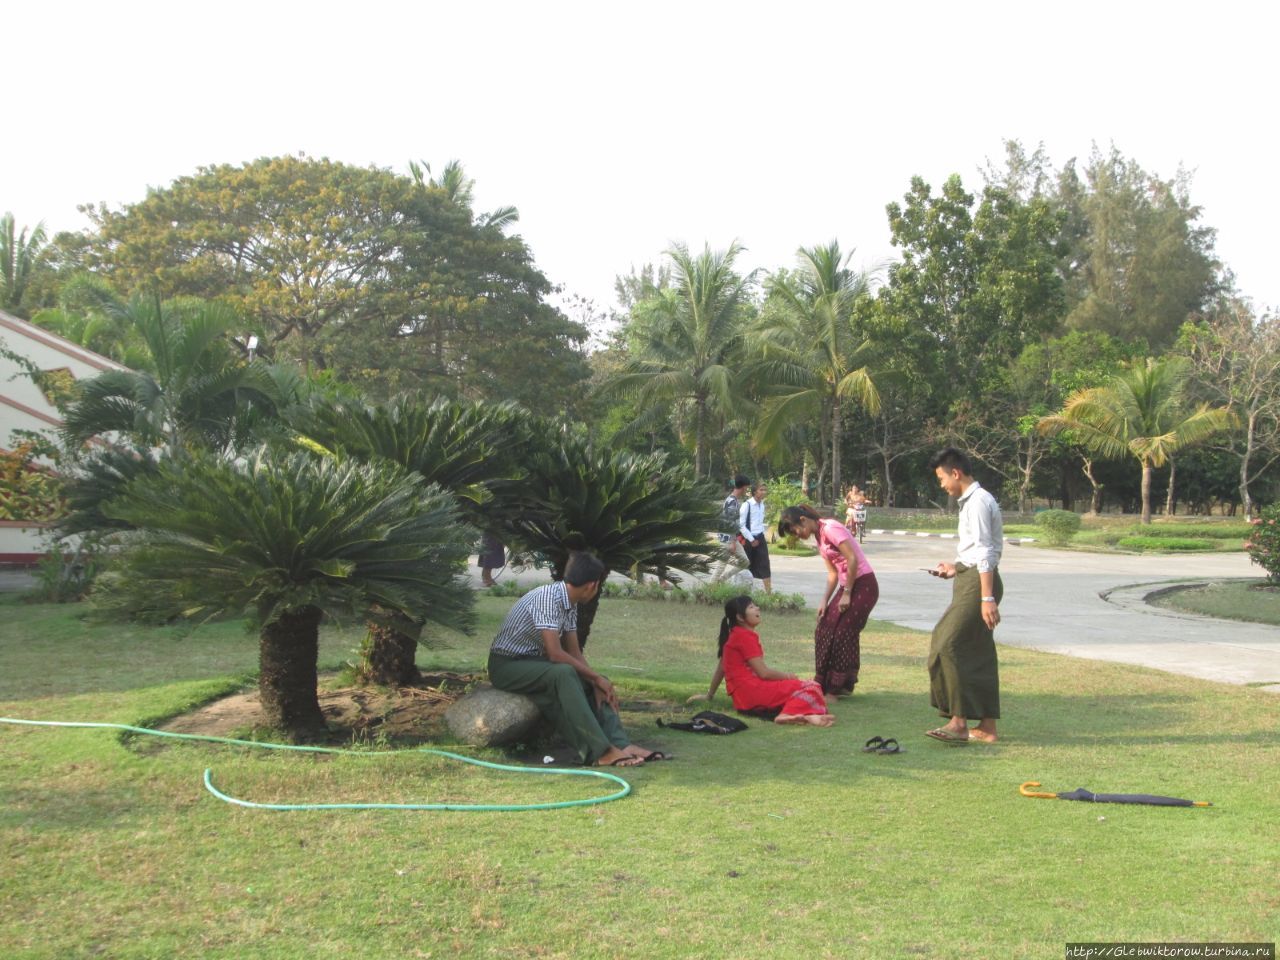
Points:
[(406, 714)]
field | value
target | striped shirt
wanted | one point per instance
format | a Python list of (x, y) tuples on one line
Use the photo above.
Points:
[(546, 608)]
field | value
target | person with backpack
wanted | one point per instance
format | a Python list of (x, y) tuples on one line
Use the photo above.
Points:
[(734, 559)]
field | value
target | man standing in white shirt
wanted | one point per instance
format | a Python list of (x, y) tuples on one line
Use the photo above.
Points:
[(751, 526), (964, 676)]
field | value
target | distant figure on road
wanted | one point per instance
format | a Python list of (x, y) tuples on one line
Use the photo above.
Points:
[(734, 558), (964, 677), (751, 526)]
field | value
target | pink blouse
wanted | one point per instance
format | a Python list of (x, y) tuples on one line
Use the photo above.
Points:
[(832, 533)]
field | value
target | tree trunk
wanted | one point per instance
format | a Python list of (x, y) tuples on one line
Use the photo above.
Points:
[(287, 654), (804, 476), (1147, 470), (1245, 500), (837, 493), (1095, 500), (388, 657), (699, 438), (587, 614), (1171, 498), (888, 481)]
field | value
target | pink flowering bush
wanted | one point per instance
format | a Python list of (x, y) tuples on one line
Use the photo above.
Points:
[(1263, 544)]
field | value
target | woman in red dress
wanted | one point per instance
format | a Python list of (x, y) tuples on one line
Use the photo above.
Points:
[(752, 684)]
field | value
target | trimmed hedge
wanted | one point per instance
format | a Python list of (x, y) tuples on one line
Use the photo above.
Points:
[(1164, 543), (711, 594)]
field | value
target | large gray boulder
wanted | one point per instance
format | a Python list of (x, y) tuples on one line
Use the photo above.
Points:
[(492, 718)]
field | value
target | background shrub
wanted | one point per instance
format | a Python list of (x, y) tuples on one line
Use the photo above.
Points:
[(1057, 527), (1163, 543), (1263, 545)]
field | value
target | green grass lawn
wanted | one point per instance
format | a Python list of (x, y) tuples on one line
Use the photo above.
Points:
[(777, 842), (1253, 600)]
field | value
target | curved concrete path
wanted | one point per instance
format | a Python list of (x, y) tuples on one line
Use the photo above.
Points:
[(1080, 604)]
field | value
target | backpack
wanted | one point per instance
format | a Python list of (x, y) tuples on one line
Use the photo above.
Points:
[(708, 721)]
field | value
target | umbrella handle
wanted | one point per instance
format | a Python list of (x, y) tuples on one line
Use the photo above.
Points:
[(1031, 793)]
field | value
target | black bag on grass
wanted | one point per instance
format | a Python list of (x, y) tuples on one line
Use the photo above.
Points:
[(708, 721)]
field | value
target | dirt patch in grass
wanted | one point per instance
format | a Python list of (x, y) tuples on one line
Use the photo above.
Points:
[(411, 715)]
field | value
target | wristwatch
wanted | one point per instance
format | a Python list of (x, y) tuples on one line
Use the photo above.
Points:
[(988, 599)]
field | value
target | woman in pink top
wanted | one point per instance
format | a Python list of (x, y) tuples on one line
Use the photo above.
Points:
[(850, 595)]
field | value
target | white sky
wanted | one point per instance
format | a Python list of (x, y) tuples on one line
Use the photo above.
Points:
[(618, 128)]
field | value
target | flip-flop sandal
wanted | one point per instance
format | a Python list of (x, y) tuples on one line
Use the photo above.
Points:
[(657, 755), (874, 744), (890, 746), (628, 761), (945, 737)]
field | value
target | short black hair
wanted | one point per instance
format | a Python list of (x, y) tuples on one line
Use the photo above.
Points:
[(949, 458), (583, 568), (741, 481)]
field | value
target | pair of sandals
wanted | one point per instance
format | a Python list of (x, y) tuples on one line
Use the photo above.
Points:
[(631, 761), (881, 745)]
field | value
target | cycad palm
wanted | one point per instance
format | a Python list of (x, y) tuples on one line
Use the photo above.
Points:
[(467, 449), (812, 353), (1140, 413), (685, 337), (632, 511), (289, 539)]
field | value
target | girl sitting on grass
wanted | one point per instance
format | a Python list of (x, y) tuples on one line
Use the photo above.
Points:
[(752, 684)]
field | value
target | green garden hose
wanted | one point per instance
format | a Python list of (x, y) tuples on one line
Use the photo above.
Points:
[(509, 807)]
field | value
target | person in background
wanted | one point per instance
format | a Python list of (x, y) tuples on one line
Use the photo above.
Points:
[(734, 558), (751, 527), (493, 556)]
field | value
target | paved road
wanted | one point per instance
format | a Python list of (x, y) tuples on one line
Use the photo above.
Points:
[(1081, 604)]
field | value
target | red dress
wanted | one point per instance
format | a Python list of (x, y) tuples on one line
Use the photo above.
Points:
[(751, 692)]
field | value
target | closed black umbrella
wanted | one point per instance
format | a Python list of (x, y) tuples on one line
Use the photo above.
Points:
[(1083, 794)]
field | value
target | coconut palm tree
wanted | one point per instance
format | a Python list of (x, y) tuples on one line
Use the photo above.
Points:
[(1139, 413), (196, 390), (289, 539), (20, 254), (684, 341), (812, 354), (469, 449), (634, 512)]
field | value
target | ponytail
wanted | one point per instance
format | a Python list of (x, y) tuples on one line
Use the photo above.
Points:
[(734, 610)]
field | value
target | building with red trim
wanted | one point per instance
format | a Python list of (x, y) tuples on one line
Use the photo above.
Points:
[(24, 407)]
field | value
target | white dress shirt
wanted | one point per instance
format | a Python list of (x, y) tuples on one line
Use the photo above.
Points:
[(751, 518), (981, 530)]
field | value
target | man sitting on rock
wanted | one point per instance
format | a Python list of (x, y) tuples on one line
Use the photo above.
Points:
[(536, 653)]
